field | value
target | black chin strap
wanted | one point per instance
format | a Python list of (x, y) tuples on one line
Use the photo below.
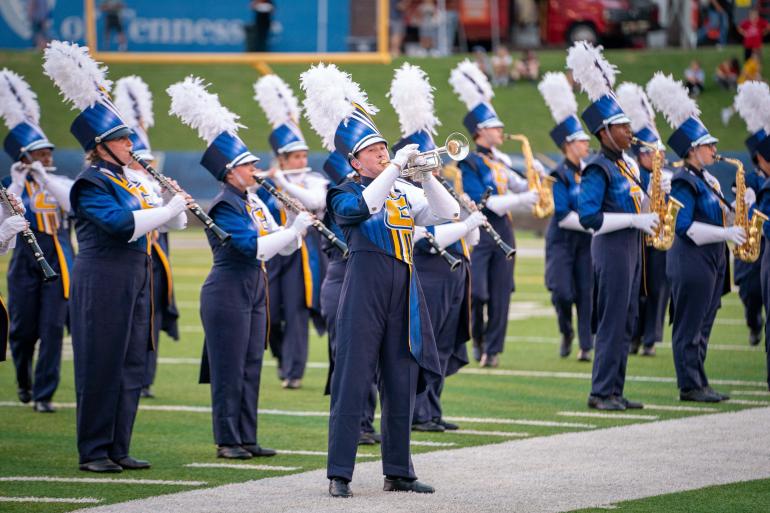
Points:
[(111, 154)]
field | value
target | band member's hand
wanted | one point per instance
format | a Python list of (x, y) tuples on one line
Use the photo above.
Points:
[(38, 172), (475, 220), (539, 167), (302, 222), (528, 199), (11, 226), (16, 203), (19, 172), (665, 183), (735, 234), (749, 197), (645, 222), (402, 156), (177, 204)]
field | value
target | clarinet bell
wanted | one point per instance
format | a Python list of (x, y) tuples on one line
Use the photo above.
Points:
[(508, 250), (220, 234), (453, 262), (49, 274)]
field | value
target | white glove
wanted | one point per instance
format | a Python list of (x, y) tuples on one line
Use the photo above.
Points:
[(645, 222), (402, 156), (176, 205), (665, 183), (19, 172), (149, 219), (271, 244), (302, 222), (749, 197), (614, 222), (418, 234), (503, 203), (10, 227), (475, 220), (704, 233), (572, 222), (538, 166), (735, 234), (38, 172)]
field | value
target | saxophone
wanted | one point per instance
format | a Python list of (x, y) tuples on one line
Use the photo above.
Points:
[(663, 238), (544, 186), (749, 250)]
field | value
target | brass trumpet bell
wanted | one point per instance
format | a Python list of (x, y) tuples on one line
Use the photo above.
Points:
[(456, 148)]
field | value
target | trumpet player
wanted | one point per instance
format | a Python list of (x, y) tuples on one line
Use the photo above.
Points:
[(610, 204), (37, 309), (649, 152), (295, 279), (696, 264), (491, 272), (568, 273)]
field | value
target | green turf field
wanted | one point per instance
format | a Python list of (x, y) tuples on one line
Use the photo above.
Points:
[(520, 106), (44, 445)]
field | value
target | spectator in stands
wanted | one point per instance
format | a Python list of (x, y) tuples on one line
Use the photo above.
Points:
[(40, 19), (397, 26), (113, 10), (428, 26), (501, 66), (726, 74), (694, 79), (528, 68), (717, 23), (752, 69), (482, 60), (752, 30)]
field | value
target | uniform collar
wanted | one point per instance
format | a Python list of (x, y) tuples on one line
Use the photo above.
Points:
[(571, 166), (365, 180), (611, 154), (484, 150), (115, 168), (235, 190)]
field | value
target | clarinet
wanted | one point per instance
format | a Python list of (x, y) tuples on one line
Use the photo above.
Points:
[(471, 207), (296, 207), (197, 211), (29, 237), (452, 261)]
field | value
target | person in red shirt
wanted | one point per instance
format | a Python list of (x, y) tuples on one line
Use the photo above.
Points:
[(753, 29)]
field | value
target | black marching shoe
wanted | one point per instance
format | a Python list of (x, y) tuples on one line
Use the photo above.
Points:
[(428, 427), (259, 452), (566, 345), (699, 396), (477, 349), (400, 484), (630, 405), (446, 425), (635, 345), (648, 351), (722, 397), (233, 452), (44, 407), (146, 393), (339, 487), (755, 337), (584, 355), (365, 438), (605, 403), (25, 395), (105, 465), (129, 463)]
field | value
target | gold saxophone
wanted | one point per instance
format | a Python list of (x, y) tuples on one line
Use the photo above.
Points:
[(749, 250), (544, 186), (663, 238)]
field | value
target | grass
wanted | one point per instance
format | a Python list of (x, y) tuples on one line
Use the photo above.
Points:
[(520, 106), (34, 444)]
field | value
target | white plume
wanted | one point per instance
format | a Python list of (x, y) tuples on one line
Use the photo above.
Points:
[(18, 102), (134, 101), (80, 79), (277, 100), (412, 97), (753, 104), (329, 98), (201, 110), (557, 93), (634, 102), (470, 84), (591, 70), (670, 97)]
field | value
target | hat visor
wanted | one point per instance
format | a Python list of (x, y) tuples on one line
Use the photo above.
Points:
[(620, 119), (706, 139), (40, 145), (491, 123), (244, 158), (368, 141), (578, 136), (293, 146), (117, 134)]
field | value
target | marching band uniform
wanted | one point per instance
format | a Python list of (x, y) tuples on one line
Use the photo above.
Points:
[(111, 272), (447, 291), (655, 290), (38, 310), (10, 225), (132, 96), (294, 280), (763, 203), (610, 204), (491, 271), (696, 263), (568, 274), (234, 297), (382, 321)]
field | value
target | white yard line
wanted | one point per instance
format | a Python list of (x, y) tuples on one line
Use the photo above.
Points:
[(100, 480), (606, 415), (746, 402), (242, 466), (509, 434), (554, 341), (322, 453), (666, 407), (428, 443), (761, 393), (52, 500), (520, 422)]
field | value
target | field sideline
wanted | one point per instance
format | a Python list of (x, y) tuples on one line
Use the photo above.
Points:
[(534, 393)]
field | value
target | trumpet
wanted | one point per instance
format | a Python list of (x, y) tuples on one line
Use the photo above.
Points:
[(544, 186), (298, 171), (456, 148), (749, 250), (663, 238)]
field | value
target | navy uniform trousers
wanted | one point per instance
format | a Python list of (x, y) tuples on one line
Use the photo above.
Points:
[(766, 299), (491, 286), (697, 276), (446, 296), (372, 326), (38, 311), (569, 278), (234, 315), (4, 323), (654, 297), (617, 273), (748, 277)]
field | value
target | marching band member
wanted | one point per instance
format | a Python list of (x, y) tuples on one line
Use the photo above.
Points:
[(38, 310), (112, 272), (753, 104), (748, 275), (610, 204), (294, 280), (487, 167), (234, 299), (447, 291), (134, 99), (568, 273), (10, 226), (654, 289), (696, 263), (382, 320)]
